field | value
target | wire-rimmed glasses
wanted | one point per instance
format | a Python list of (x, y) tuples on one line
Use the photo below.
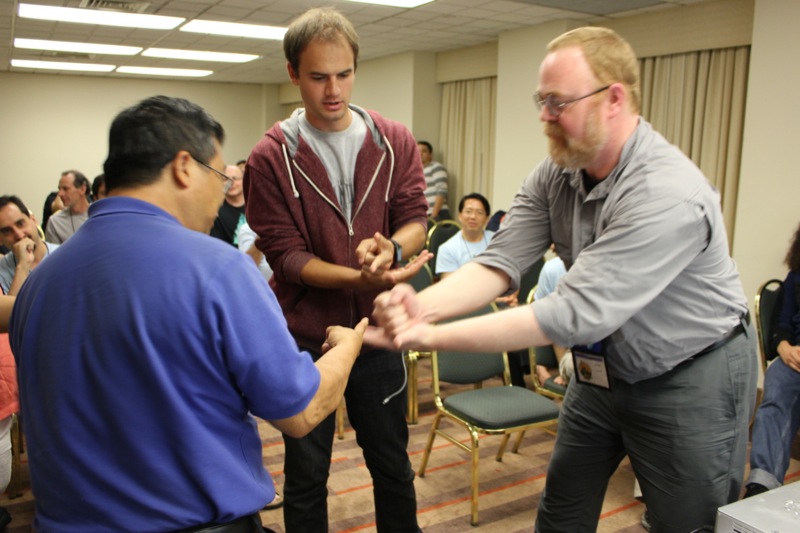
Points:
[(227, 181), (555, 106)]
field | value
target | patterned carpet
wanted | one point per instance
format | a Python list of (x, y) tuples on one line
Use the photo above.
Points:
[(509, 490)]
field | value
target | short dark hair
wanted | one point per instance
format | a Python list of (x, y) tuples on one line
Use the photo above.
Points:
[(793, 255), (427, 145), (475, 196), (148, 135), (323, 23), (97, 183), (241, 161), (79, 181), (11, 199)]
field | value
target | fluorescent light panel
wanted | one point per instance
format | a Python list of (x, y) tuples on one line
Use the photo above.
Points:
[(57, 65), (151, 71), (103, 18), (234, 29), (83, 48), (394, 3), (199, 56)]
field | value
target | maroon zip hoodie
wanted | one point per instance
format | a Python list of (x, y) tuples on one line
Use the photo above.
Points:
[(292, 206)]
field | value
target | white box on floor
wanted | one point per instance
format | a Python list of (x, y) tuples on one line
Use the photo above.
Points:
[(774, 511)]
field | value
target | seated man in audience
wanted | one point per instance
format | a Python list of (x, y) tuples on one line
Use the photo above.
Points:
[(164, 340), (20, 234), (435, 182), (461, 248), (473, 214), (232, 211), (548, 278), (73, 190)]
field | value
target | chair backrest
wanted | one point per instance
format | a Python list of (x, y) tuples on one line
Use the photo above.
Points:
[(530, 279), (767, 307), (438, 235), (469, 367), (422, 279)]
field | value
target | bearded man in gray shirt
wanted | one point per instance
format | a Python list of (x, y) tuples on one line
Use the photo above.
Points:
[(667, 370)]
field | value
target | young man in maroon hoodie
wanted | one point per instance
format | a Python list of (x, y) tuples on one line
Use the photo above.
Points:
[(336, 195)]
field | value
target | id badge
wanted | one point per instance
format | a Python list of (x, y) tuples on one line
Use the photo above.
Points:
[(590, 367)]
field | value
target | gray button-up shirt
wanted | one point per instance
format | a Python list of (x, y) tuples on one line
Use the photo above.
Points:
[(647, 255)]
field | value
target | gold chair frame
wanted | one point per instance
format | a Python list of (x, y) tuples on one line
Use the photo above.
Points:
[(549, 414)]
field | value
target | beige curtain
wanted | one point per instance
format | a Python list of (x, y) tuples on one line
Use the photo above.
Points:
[(697, 100), (467, 137)]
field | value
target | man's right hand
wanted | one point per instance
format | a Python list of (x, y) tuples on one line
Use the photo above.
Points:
[(348, 339), (23, 251), (401, 319)]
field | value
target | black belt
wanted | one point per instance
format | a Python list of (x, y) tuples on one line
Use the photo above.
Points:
[(732, 334), (246, 524)]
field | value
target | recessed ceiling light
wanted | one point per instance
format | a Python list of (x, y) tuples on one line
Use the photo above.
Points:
[(394, 3), (234, 29), (199, 56), (56, 65), (151, 71), (84, 48), (104, 18)]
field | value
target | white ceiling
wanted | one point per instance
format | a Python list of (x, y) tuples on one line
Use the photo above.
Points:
[(383, 31)]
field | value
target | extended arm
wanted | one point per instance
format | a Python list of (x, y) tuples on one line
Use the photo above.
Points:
[(343, 346), (407, 318)]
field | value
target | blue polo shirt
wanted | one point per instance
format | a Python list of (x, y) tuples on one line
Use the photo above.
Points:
[(142, 348)]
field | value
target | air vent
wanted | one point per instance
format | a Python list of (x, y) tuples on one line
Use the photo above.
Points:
[(111, 5)]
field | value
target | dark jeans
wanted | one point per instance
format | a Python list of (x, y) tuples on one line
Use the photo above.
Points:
[(382, 434)]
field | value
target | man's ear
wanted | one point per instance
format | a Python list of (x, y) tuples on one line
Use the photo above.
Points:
[(180, 167), (618, 96), (292, 74)]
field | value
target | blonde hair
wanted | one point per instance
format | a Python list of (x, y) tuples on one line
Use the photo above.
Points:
[(610, 57)]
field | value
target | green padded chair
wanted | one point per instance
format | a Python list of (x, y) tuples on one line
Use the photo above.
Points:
[(499, 410)]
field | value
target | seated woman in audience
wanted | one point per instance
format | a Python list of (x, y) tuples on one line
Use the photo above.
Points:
[(778, 417)]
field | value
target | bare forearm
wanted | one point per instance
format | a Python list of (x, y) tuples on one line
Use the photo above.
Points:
[(513, 329), (464, 290), (411, 237), (20, 276), (324, 275), (334, 369)]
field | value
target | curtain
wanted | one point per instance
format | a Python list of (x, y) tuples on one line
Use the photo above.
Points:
[(697, 101), (467, 137)]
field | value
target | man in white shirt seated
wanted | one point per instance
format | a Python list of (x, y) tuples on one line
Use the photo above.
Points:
[(461, 248)]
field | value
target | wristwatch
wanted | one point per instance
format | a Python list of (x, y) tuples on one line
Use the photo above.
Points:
[(398, 252)]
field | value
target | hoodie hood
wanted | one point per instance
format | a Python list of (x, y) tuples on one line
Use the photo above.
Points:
[(291, 128)]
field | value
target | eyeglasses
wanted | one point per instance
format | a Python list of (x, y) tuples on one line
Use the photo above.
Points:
[(226, 180), (476, 212), (555, 106)]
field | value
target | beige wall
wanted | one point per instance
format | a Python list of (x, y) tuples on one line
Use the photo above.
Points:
[(387, 86), (767, 212), (52, 123)]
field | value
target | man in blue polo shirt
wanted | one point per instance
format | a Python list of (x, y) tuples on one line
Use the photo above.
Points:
[(139, 375)]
